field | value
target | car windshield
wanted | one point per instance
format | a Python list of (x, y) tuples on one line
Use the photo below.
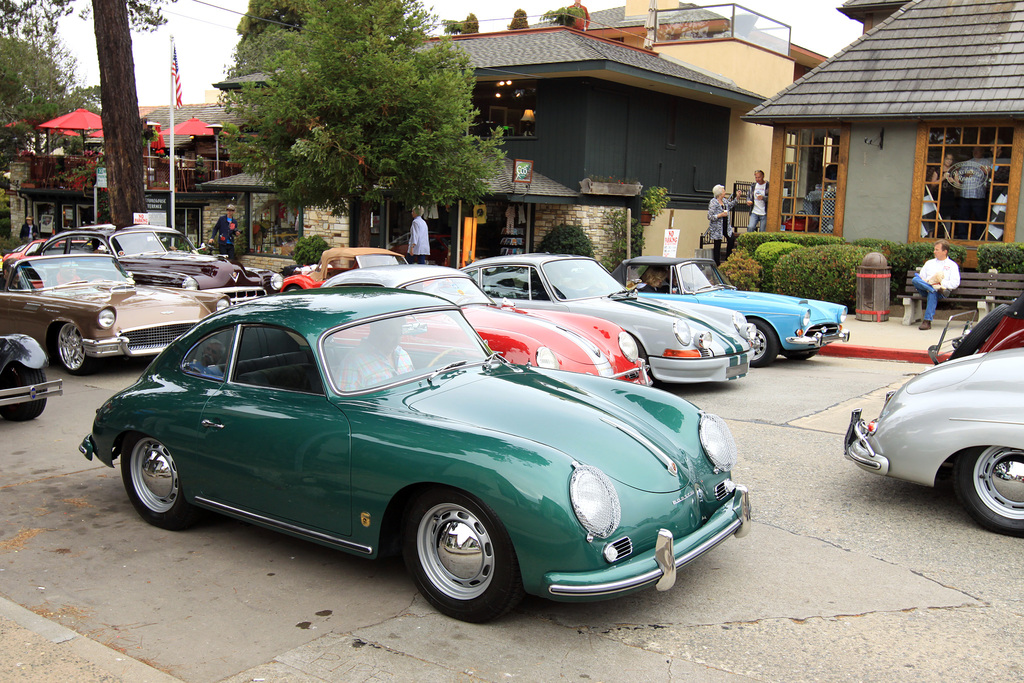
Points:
[(400, 349), (580, 279), (136, 243), (696, 277), (461, 291), (49, 273)]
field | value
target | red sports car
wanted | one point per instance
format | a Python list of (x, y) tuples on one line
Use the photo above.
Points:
[(546, 339), (339, 260), (22, 251)]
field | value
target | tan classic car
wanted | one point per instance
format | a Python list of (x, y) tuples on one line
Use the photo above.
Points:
[(85, 307)]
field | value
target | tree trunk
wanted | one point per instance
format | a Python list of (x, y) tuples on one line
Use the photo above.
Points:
[(122, 125), (365, 214)]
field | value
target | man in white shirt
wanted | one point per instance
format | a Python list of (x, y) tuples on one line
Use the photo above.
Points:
[(758, 200), (938, 277), (419, 239)]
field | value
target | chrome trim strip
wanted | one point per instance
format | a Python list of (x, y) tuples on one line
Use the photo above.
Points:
[(285, 526), (994, 422), (669, 464), (31, 392)]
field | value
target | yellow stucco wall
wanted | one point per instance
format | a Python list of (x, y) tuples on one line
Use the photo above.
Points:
[(690, 225), (752, 68)]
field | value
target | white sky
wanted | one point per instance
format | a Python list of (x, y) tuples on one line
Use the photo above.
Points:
[(205, 36)]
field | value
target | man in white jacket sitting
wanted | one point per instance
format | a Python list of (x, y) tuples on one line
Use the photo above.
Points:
[(938, 277)]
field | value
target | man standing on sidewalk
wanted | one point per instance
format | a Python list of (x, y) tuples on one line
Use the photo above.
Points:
[(938, 277), (419, 239), (758, 200)]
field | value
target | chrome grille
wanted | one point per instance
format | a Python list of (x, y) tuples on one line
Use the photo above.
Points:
[(721, 491), (623, 548), (239, 294), (825, 329), (150, 338)]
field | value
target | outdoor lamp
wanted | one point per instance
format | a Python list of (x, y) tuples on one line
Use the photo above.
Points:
[(216, 128)]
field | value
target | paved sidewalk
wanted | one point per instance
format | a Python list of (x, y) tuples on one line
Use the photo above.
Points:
[(891, 340)]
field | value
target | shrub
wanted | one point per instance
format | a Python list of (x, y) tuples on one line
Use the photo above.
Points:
[(743, 271), (617, 231), (768, 254), (308, 250), (1006, 258), (471, 24), (654, 200), (567, 239), (826, 272), (5, 226), (519, 20), (750, 241)]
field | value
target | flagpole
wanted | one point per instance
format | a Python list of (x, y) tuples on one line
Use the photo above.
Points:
[(171, 132)]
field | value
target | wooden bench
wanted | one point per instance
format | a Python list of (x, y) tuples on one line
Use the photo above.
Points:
[(987, 290)]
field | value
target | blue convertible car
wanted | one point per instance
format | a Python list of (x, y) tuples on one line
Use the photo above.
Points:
[(796, 328)]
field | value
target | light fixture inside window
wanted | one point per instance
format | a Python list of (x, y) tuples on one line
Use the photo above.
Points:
[(528, 116)]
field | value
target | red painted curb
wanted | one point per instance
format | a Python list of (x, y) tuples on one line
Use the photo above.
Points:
[(877, 353)]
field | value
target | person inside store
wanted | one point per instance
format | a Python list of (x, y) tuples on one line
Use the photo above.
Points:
[(974, 175), (937, 278), (28, 230), (225, 232), (718, 222)]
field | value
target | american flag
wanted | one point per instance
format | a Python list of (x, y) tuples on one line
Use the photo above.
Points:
[(177, 79)]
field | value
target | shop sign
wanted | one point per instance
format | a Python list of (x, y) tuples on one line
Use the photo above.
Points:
[(522, 171)]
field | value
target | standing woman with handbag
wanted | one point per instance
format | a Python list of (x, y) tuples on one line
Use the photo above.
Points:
[(718, 222)]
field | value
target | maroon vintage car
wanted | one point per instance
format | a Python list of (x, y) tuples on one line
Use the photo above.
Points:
[(163, 257)]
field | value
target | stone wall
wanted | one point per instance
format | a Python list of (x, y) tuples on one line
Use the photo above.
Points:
[(594, 220), (334, 229), (20, 172)]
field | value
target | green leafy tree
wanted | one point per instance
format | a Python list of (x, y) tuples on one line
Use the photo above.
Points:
[(519, 21), (365, 111), (268, 29)]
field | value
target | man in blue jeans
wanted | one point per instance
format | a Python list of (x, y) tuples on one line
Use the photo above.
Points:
[(937, 278)]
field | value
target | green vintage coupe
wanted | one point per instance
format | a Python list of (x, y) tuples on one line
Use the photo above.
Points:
[(376, 421)]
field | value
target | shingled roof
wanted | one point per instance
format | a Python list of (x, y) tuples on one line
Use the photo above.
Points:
[(207, 113), (540, 51), (932, 59)]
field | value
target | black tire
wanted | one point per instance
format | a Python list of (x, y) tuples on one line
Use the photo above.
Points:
[(154, 487), (71, 352), (481, 581), (989, 484), (800, 355), (765, 346), (292, 288), (17, 375), (980, 333)]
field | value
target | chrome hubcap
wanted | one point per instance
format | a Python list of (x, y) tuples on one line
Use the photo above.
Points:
[(759, 344), (69, 344), (455, 551), (154, 475), (999, 480)]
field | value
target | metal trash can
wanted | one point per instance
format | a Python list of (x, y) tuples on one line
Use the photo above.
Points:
[(873, 278)]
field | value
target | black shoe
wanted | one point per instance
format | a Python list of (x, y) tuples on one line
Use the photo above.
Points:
[(925, 325)]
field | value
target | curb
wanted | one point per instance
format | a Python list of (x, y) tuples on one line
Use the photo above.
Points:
[(876, 353)]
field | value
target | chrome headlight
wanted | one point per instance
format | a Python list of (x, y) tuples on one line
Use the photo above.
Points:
[(704, 340), (546, 358), (682, 331), (190, 283), (751, 332), (716, 438), (807, 319), (594, 501), (223, 303), (739, 321), (628, 347), (106, 318), (276, 280), (842, 315)]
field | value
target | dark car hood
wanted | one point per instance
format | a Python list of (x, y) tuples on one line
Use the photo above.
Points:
[(216, 271), (539, 408)]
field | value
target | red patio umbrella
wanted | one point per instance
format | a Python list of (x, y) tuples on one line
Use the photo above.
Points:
[(192, 127), (78, 120)]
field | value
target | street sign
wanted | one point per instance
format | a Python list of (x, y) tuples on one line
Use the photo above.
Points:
[(101, 176), (671, 243)]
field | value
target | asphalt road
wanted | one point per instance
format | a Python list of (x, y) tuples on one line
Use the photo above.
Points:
[(846, 576)]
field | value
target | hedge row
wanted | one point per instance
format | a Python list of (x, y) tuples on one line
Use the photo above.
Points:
[(1006, 258)]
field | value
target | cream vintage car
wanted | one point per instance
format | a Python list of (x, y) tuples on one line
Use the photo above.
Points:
[(84, 307)]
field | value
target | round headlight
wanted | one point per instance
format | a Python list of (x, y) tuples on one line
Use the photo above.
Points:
[(751, 332), (704, 340), (682, 331), (190, 283), (594, 501), (716, 438), (628, 347), (739, 321), (223, 303), (106, 318), (842, 315), (807, 319), (276, 280), (546, 358)]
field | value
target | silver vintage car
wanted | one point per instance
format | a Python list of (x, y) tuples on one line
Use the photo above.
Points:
[(680, 342), (964, 417)]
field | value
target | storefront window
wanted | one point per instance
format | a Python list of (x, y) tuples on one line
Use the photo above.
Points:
[(966, 182), (510, 105), (275, 227), (810, 180)]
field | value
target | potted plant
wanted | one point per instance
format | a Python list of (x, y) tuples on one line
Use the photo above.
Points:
[(652, 203)]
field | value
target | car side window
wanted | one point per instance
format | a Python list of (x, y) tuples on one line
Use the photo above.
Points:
[(209, 358), (276, 358), (506, 282), (537, 291), (54, 248)]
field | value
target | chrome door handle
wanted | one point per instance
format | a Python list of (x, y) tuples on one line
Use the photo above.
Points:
[(210, 424)]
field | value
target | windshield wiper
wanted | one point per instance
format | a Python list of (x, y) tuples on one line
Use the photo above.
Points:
[(444, 369), (73, 283), (622, 293)]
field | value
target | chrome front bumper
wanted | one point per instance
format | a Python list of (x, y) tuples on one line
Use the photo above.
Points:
[(857, 447), (817, 340), (639, 374), (669, 555), (101, 348), (32, 392)]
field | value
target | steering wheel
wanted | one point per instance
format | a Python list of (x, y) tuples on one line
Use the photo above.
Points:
[(438, 357)]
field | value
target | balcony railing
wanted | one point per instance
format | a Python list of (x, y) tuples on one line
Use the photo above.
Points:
[(70, 172), (722, 21)]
